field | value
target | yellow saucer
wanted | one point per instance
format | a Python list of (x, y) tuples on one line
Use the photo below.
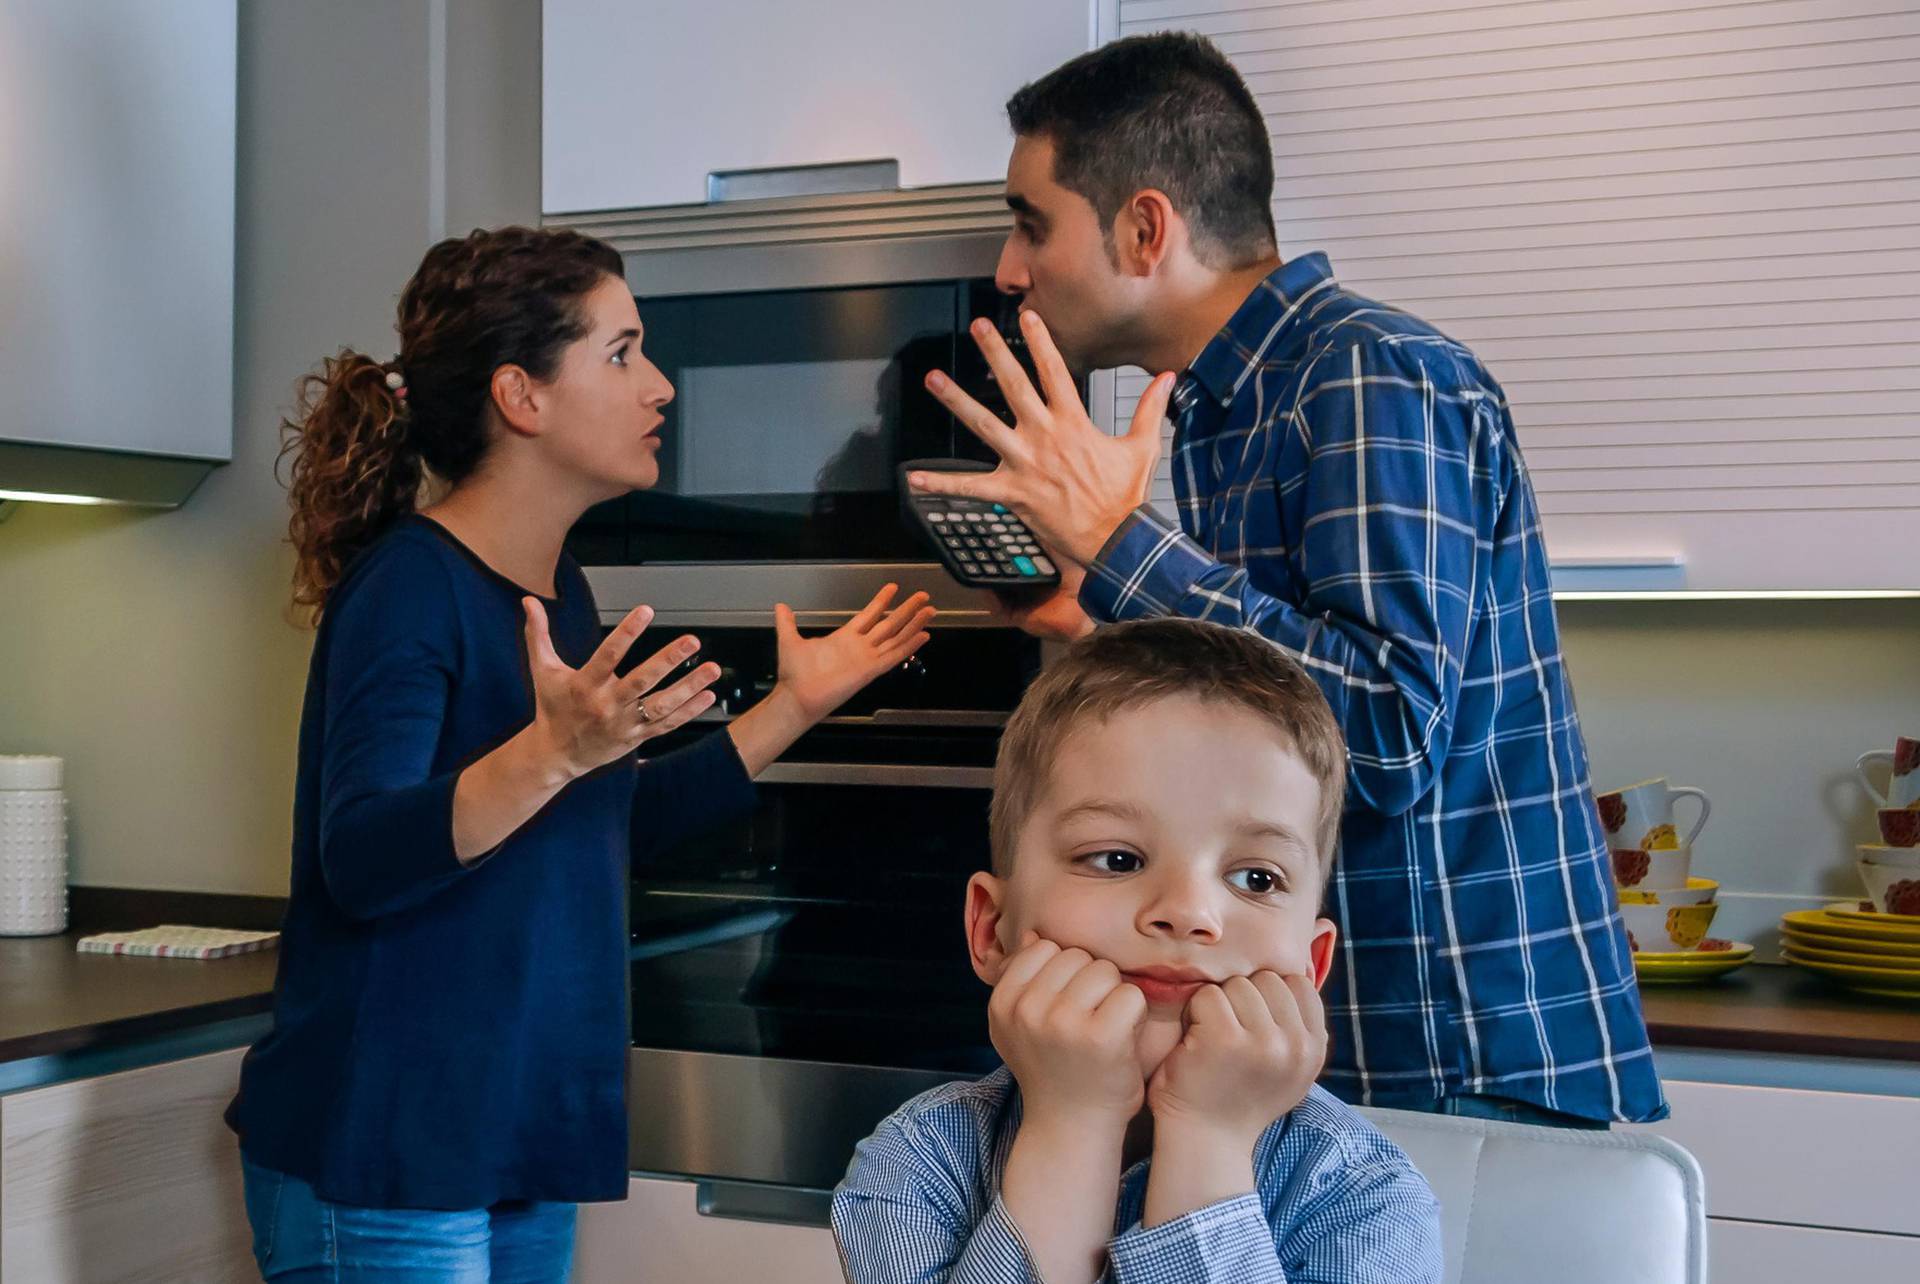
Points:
[(1671, 967), (1852, 914), (1863, 926), (1891, 982), (1824, 940), (1819, 953)]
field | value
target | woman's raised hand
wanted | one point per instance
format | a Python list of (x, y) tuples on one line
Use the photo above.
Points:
[(589, 716), (820, 673)]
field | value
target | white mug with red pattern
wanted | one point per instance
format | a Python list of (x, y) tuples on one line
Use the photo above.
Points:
[(1903, 786), (1640, 817)]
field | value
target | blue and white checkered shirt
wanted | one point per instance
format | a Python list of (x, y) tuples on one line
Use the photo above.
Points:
[(1350, 487), (1335, 1201)]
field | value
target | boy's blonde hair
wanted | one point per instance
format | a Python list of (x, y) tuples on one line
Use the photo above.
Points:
[(1128, 665)]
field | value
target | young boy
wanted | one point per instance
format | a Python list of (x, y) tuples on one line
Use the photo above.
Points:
[(1165, 807)]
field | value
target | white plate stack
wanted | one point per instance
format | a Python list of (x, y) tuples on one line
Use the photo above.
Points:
[(33, 847)]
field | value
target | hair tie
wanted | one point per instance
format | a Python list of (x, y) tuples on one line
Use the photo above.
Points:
[(397, 382)]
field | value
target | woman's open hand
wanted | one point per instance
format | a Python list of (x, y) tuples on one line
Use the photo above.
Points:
[(818, 674), (589, 716)]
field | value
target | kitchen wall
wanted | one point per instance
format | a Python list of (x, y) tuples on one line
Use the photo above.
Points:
[(1765, 705), (153, 650), (154, 653)]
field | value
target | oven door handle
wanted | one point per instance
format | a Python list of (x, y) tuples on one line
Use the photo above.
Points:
[(936, 718), (901, 775), (754, 1202)]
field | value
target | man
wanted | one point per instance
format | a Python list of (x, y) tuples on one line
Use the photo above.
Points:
[(1350, 487)]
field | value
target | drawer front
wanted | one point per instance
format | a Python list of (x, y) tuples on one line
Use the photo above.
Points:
[(660, 1236), (1758, 1253), (128, 1176), (1838, 1159)]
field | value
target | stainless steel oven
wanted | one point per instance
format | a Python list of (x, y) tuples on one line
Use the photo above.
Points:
[(797, 326), (799, 973)]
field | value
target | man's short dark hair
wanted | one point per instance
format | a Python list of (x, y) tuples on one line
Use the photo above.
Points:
[(1167, 112)]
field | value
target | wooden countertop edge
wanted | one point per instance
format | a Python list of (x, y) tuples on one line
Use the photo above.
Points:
[(94, 1036), (1733, 1039)]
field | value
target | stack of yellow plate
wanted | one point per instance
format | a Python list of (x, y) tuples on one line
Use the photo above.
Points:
[(1869, 952)]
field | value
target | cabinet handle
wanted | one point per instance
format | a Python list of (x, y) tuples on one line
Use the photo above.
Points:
[(1627, 573), (1649, 562), (802, 180), (751, 1202)]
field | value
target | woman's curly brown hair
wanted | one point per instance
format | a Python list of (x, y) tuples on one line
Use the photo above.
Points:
[(361, 450)]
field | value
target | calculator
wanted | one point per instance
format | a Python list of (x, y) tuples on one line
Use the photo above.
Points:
[(981, 544)]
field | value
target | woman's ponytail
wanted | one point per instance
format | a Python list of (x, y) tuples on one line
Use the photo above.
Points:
[(354, 470)]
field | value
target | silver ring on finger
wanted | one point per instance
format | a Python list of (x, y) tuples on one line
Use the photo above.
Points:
[(646, 715)]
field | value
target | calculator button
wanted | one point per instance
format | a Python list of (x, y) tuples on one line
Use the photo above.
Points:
[(976, 517), (973, 541), (1042, 565), (1025, 566), (998, 527), (999, 508)]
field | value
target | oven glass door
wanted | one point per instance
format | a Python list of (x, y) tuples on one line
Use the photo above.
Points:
[(792, 410), (826, 925)]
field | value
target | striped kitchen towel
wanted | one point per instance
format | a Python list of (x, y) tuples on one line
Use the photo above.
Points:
[(172, 941)]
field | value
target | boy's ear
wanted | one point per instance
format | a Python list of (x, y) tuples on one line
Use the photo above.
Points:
[(1321, 950), (985, 896)]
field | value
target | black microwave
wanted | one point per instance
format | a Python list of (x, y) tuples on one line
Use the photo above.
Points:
[(792, 410)]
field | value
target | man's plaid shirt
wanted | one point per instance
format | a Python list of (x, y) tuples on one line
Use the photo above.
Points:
[(1350, 487)]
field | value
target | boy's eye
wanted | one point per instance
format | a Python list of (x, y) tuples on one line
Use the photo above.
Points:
[(1115, 862), (619, 358), (1260, 882)]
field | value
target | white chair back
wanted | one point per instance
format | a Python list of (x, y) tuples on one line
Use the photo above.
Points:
[(1520, 1203)]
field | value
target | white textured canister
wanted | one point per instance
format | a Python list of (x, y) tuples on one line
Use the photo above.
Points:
[(33, 847)]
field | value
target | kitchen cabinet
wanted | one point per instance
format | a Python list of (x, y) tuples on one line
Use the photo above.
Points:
[(641, 102), (1676, 235), (661, 1236), (1802, 1182), (117, 142), (1758, 1253), (129, 1176)]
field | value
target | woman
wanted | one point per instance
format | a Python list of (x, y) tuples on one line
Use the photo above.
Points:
[(445, 1076)]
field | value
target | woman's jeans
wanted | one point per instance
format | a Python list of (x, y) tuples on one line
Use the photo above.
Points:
[(300, 1238)]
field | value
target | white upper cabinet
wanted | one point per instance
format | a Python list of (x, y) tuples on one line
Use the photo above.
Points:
[(1683, 238), (117, 140), (642, 101)]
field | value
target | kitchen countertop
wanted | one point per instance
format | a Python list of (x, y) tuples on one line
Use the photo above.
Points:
[(54, 999), (1781, 1009)]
